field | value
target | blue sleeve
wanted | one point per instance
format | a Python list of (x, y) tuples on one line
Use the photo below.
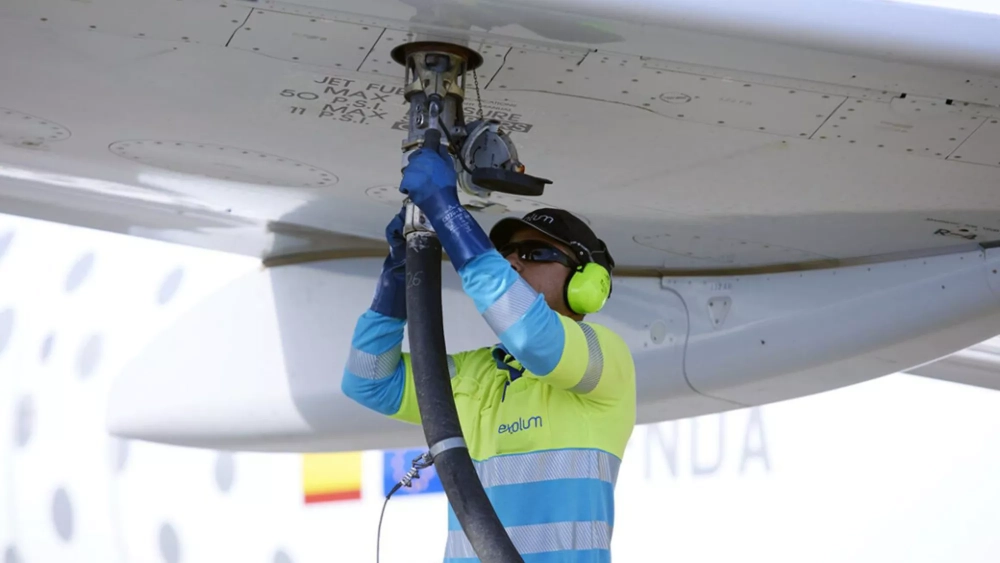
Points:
[(375, 375), (526, 325)]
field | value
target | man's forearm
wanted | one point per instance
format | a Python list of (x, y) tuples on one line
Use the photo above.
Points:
[(519, 316), (553, 347), (374, 375), (567, 354)]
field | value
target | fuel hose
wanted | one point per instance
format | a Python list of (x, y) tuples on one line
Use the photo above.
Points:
[(436, 403)]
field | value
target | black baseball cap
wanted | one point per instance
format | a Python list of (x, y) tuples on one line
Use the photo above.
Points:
[(559, 224)]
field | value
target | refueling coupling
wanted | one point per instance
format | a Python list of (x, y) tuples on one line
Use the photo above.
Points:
[(435, 90)]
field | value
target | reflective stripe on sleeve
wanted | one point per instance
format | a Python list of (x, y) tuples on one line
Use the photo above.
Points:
[(510, 306), (595, 362), (372, 366)]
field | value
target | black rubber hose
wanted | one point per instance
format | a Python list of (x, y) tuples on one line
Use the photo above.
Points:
[(425, 325)]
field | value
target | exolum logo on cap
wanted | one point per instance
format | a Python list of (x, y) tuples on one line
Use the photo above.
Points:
[(538, 218)]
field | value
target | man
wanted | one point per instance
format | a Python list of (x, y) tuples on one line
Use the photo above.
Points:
[(547, 412)]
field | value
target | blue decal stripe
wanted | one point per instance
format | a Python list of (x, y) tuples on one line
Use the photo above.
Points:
[(543, 502), (542, 538), (395, 465)]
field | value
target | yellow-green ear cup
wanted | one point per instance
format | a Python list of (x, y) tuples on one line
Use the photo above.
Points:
[(587, 290)]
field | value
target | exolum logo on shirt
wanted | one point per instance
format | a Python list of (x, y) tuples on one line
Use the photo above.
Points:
[(519, 425)]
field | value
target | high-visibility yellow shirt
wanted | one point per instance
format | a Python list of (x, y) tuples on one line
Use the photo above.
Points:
[(546, 415)]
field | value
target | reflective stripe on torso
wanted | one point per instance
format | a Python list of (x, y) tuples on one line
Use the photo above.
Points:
[(548, 460), (555, 502)]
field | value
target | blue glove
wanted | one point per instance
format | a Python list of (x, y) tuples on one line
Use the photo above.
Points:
[(390, 293), (429, 176), (430, 181)]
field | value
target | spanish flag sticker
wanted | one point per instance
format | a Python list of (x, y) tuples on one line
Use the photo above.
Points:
[(330, 477)]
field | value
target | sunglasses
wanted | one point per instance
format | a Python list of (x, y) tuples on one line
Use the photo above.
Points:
[(537, 251)]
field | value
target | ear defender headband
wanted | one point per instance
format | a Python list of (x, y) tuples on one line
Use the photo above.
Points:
[(589, 285)]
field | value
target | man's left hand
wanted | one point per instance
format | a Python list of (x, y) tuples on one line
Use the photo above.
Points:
[(390, 290)]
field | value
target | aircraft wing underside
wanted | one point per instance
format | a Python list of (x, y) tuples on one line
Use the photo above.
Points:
[(798, 196), (273, 129)]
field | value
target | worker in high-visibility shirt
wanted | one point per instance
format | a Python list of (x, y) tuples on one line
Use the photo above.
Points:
[(547, 412)]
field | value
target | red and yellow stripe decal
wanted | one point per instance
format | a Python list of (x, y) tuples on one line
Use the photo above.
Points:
[(328, 477)]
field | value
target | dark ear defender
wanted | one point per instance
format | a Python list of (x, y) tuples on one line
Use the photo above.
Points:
[(589, 285)]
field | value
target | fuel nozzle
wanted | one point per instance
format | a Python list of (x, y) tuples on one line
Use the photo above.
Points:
[(415, 220), (432, 139), (485, 155)]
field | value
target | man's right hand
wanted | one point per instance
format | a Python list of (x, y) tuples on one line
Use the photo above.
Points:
[(430, 180), (390, 293)]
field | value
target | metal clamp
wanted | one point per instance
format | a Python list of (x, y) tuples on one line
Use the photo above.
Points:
[(415, 220), (423, 461), (447, 444)]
